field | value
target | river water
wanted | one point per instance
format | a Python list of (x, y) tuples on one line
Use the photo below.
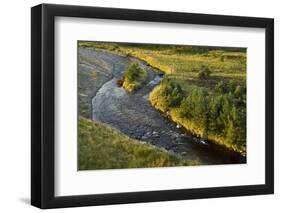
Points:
[(132, 114)]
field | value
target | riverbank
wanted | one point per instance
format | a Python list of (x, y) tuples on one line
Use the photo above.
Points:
[(192, 129)]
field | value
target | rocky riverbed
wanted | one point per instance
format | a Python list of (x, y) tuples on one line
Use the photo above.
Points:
[(131, 113)]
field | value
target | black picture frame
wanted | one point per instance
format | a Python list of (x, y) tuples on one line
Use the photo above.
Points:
[(43, 102)]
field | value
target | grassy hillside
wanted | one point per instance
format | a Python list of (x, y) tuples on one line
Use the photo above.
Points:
[(203, 89), (96, 141)]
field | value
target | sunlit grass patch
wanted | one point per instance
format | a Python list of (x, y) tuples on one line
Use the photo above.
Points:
[(102, 147)]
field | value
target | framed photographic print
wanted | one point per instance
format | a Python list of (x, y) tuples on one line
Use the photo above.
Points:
[(140, 106)]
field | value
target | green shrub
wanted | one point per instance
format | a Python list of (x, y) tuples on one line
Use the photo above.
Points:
[(221, 88), (134, 77), (173, 94), (204, 72)]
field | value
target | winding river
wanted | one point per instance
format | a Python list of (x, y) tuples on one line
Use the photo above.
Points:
[(133, 115)]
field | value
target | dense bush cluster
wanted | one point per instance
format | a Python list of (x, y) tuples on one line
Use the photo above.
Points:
[(204, 72), (221, 113), (173, 94), (134, 77)]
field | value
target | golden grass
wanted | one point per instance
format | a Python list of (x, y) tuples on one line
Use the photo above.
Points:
[(102, 147)]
